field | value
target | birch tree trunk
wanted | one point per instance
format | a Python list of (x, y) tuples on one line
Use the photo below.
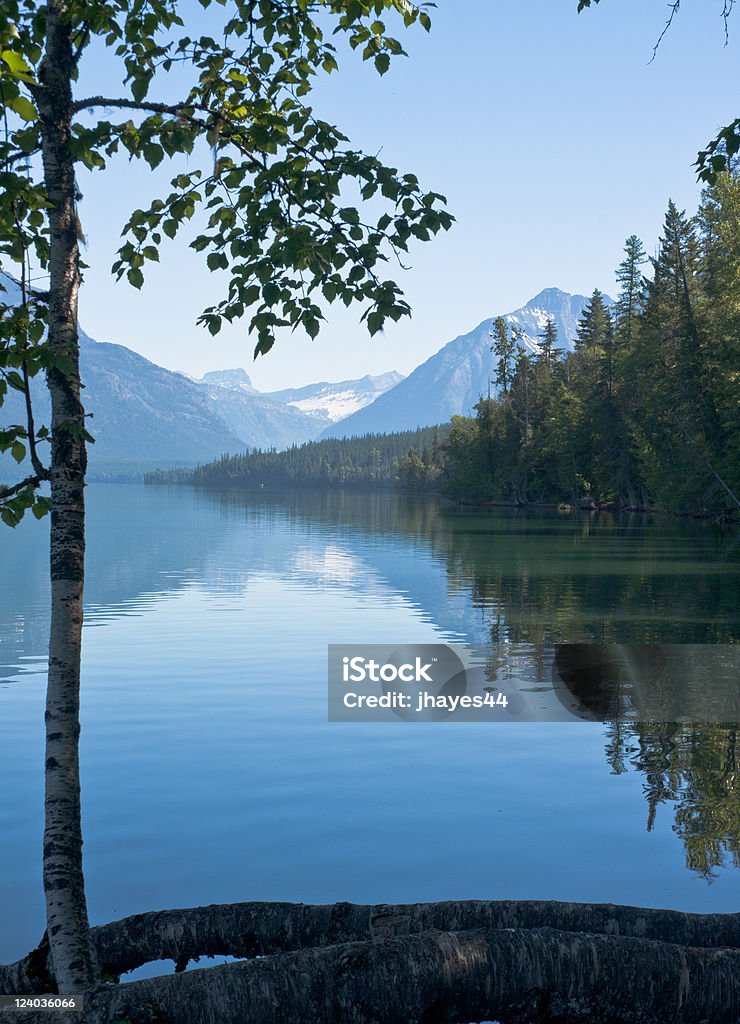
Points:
[(67, 924)]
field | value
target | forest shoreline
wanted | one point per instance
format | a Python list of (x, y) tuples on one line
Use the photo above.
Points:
[(561, 508)]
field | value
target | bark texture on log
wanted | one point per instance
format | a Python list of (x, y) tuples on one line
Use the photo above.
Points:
[(514, 976), (258, 929), (66, 912), (255, 929)]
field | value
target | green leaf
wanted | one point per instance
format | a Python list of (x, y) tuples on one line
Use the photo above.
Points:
[(18, 451), (24, 108), (41, 507), (217, 261), (139, 88), (382, 63), (375, 322), (135, 277), (9, 516), (17, 65), (153, 154)]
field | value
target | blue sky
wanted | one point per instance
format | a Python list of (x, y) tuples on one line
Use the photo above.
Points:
[(550, 132)]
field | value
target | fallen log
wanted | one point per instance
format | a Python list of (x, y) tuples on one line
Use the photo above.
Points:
[(516, 976), (258, 929)]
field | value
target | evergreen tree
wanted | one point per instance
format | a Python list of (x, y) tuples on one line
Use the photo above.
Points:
[(632, 290), (595, 342), (678, 263), (719, 224), (595, 326), (504, 349), (674, 415), (548, 343)]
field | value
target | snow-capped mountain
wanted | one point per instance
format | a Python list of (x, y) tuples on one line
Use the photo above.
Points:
[(259, 420), (278, 419), (566, 310), (145, 417), (333, 402), (452, 381)]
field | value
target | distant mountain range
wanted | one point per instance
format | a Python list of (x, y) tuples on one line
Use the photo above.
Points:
[(145, 417), (336, 401), (451, 381), (279, 419)]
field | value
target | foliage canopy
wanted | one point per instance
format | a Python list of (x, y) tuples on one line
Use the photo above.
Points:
[(273, 195)]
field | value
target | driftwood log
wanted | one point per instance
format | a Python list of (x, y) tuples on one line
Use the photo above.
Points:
[(516, 962)]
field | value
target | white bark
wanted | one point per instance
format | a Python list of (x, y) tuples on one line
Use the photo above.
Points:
[(67, 923)]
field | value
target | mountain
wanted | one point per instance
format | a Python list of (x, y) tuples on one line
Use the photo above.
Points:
[(279, 419), (333, 402), (452, 381), (232, 379), (258, 420), (329, 402), (144, 416)]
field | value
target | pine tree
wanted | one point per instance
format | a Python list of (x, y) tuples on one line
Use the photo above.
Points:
[(504, 349), (677, 290), (548, 343), (719, 223), (595, 326), (632, 290), (674, 416)]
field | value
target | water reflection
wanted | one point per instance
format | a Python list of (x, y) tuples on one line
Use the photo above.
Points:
[(694, 768), (650, 683), (525, 584), (540, 586)]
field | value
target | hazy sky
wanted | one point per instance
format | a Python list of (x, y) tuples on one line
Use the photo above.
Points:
[(550, 132)]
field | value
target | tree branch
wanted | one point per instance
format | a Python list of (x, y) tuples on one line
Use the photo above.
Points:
[(726, 12), (40, 469), (145, 106), (30, 481), (675, 7), (83, 40)]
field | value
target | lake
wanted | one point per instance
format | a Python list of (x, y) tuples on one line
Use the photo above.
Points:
[(210, 772)]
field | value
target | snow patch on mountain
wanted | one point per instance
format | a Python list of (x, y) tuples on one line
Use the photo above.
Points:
[(334, 402)]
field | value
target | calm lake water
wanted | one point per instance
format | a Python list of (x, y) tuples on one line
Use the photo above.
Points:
[(210, 772)]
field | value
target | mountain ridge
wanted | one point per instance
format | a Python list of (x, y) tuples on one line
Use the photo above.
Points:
[(145, 416), (452, 380)]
